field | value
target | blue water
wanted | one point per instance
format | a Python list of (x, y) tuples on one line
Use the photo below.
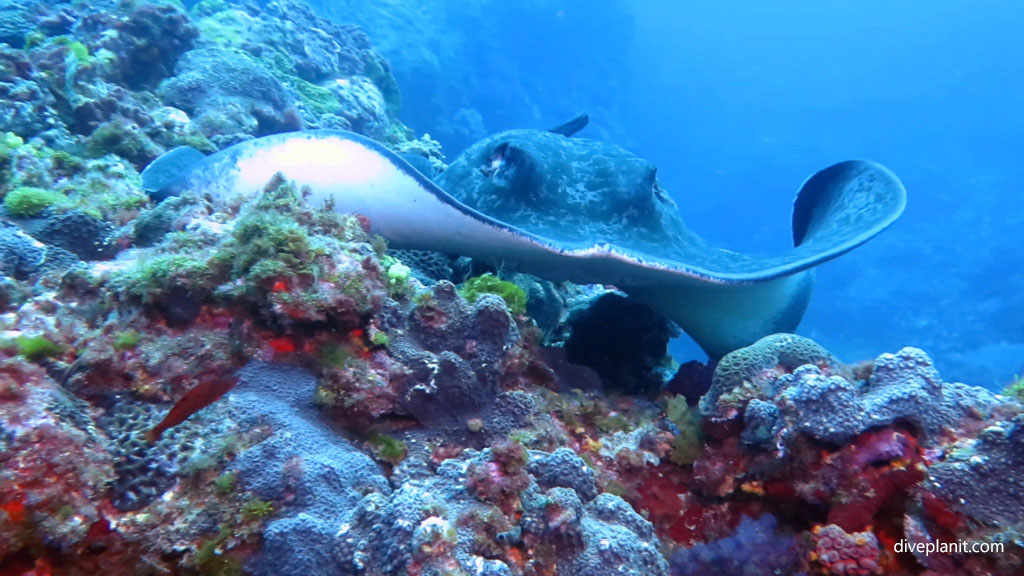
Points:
[(738, 102)]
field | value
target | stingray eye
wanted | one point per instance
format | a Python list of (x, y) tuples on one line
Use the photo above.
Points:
[(503, 157), (496, 160)]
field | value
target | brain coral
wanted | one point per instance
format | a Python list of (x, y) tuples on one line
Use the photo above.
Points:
[(762, 362)]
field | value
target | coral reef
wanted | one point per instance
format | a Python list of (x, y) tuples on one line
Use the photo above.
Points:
[(842, 554), (982, 479), (457, 520), (46, 496), (317, 477), (260, 386), (227, 92), (94, 92), (785, 385), (754, 549)]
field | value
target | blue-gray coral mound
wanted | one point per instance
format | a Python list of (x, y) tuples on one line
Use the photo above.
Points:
[(303, 463), (785, 385), (442, 521)]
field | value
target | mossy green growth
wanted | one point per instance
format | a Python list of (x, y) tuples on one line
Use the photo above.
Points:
[(207, 552), (334, 355), (612, 423), (123, 139), (387, 448), (256, 509), (29, 201), (380, 339), (34, 39), (9, 142), (378, 73), (151, 279), (271, 246), (207, 7), (317, 99), (687, 443), (424, 299), (127, 340), (398, 277), (226, 483), (37, 348), (225, 565), (81, 51), (513, 295), (1015, 389), (268, 242), (66, 164), (194, 140)]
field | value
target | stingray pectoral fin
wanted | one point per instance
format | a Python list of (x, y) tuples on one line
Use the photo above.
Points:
[(843, 206), (725, 317)]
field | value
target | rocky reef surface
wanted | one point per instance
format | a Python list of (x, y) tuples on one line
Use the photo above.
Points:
[(207, 388)]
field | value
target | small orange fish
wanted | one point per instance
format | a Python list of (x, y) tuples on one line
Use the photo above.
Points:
[(209, 389)]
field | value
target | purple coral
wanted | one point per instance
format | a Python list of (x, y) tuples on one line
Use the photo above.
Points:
[(754, 549)]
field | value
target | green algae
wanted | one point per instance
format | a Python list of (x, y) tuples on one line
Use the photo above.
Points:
[(1015, 389), (212, 564), (387, 448), (266, 243), (30, 201), (224, 26), (334, 356), (381, 77), (127, 340), (10, 140), (398, 276), (380, 339), (277, 237), (687, 443), (226, 483), (256, 509), (37, 348), (122, 139), (207, 7), (79, 50), (34, 39), (513, 295), (195, 140), (152, 279), (317, 99)]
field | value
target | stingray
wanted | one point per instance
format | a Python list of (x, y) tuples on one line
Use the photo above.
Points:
[(563, 208)]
